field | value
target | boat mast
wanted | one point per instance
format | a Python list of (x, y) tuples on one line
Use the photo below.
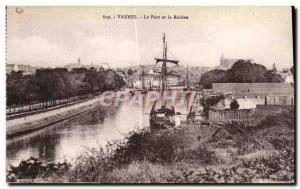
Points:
[(164, 66), (142, 77), (187, 77), (164, 61), (143, 82)]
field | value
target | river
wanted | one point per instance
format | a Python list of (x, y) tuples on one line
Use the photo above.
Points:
[(66, 140)]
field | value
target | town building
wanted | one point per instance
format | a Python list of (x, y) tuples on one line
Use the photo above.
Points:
[(92, 65), (152, 81), (73, 65), (174, 81), (263, 93), (79, 64), (287, 75), (26, 69), (9, 68), (252, 88)]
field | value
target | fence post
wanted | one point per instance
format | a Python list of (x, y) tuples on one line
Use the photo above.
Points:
[(266, 103)]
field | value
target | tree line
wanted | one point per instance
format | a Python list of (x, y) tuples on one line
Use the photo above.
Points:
[(57, 83), (241, 72)]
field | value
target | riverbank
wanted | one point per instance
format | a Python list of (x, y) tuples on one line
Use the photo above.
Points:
[(34, 122), (188, 154)]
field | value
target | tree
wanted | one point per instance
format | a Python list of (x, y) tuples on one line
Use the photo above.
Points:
[(234, 105), (113, 80), (245, 72), (50, 84), (93, 79), (241, 72), (213, 76), (273, 77), (16, 88)]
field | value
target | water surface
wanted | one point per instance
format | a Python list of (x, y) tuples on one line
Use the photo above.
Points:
[(68, 139)]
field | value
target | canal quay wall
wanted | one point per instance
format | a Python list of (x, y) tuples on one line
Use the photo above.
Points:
[(19, 126)]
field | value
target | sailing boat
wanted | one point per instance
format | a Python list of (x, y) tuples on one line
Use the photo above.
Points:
[(142, 79), (142, 87), (163, 117)]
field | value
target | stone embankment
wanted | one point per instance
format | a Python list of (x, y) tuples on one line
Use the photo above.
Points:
[(31, 123)]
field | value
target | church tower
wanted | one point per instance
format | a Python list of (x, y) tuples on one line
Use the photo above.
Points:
[(274, 68), (78, 61), (222, 59)]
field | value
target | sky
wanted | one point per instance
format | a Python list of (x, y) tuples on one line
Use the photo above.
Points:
[(56, 36)]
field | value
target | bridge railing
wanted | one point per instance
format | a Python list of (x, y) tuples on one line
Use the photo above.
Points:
[(45, 105)]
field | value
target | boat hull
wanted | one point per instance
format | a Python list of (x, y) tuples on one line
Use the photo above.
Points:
[(161, 122)]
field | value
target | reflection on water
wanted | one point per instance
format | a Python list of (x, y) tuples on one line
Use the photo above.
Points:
[(69, 138)]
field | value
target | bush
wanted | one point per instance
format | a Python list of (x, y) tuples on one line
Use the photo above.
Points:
[(162, 147), (145, 145), (96, 164), (276, 168), (282, 119), (200, 154), (281, 143), (33, 168)]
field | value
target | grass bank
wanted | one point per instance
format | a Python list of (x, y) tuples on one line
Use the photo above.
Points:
[(188, 154)]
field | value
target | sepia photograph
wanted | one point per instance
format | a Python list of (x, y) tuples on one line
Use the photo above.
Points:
[(150, 95)]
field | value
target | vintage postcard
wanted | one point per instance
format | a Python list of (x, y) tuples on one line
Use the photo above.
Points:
[(150, 95)]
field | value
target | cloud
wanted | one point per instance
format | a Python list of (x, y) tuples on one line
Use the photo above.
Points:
[(39, 51), (35, 51), (57, 36)]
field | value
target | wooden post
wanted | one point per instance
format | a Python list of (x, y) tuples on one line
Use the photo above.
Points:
[(266, 103)]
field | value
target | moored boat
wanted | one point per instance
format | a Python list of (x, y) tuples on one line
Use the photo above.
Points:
[(163, 117)]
